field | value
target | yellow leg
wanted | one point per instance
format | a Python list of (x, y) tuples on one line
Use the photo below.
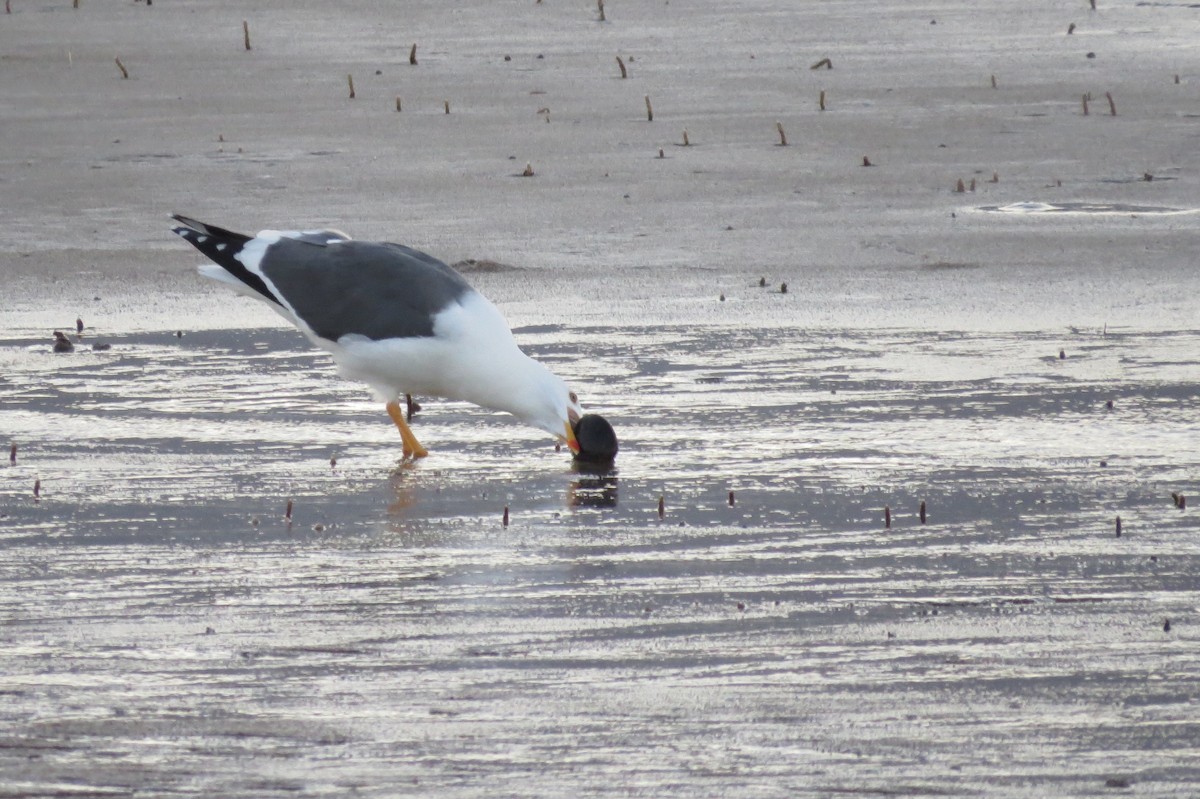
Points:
[(412, 447)]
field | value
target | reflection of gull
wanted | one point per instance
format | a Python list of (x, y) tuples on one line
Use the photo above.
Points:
[(392, 317)]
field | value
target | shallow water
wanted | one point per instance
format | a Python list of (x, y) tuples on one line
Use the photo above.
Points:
[(168, 632)]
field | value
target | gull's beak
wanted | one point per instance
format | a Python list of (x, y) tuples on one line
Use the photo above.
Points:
[(569, 429)]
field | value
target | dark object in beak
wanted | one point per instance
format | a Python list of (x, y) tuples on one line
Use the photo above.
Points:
[(597, 439)]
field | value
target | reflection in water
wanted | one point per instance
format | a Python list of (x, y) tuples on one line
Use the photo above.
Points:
[(595, 488), (405, 493)]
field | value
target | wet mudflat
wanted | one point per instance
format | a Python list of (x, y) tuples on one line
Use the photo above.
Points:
[(169, 632)]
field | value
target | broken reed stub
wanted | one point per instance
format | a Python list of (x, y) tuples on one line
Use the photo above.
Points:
[(993, 81), (528, 173), (37, 488), (867, 161), (1118, 527), (12, 454), (350, 83), (821, 100), (621, 64), (922, 511), (824, 62), (412, 55), (649, 110), (600, 8), (287, 514), (246, 34), (661, 154), (1070, 28), (731, 498), (662, 506), (446, 105), (1112, 106), (960, 187), (782, 135), (397, 103), (124, 72), (1085, 105), (686, 143), (504, 521), (887, 517)]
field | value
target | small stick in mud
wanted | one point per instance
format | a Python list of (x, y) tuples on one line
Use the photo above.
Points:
[(446, 105), (78, 326), (782, 135), (662, 506), (824, 62), (333, 462), (730, 495), (1118, 527), (821, 100), (1070, 28), (1062, 355), (783, 288), (1176, 78), (124, 72), (287, 514), (625, 74), (37, 488), (412, 55), (922, 511), (887, 517), (246, 34), (505, 520), (12, 454), (649, 110), (867, 161), (350, 83), (397, 103), (686, 143), (661, 154), (1166, 625), (8, 10), (1085, 107), (960, 187), (600, 7), (995, 177), (762, 282), (972, 186), (1112, 106), (993, 81)]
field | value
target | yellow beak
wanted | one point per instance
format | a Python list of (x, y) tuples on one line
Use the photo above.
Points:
[(570, 436)]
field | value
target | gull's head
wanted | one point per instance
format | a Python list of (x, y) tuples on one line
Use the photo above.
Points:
[(547, 403)]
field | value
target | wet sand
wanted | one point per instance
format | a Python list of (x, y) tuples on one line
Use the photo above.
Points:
[(167, 632)]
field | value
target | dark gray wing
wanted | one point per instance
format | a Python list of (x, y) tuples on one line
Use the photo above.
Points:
[(377, 290)]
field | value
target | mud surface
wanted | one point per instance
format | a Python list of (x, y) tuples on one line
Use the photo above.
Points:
[(168, 632)]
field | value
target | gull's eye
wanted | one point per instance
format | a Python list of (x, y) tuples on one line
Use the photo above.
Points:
[(573, 397)]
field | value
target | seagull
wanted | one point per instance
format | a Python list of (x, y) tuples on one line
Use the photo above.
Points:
[(395, 318)]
